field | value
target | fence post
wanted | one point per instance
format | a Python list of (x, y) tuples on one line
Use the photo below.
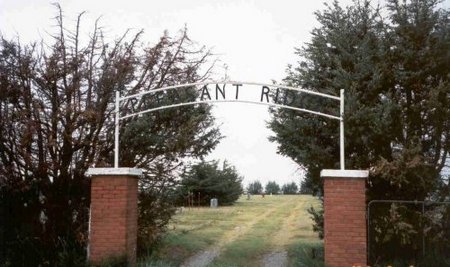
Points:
[(345, 228), (113, 214)]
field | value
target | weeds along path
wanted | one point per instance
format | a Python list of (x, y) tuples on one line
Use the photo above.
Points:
[(278, 257), (205, 257)]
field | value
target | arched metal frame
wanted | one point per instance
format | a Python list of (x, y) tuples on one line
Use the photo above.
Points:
[(234, 83)]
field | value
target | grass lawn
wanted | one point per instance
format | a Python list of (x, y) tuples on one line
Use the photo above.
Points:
[(242, 234)]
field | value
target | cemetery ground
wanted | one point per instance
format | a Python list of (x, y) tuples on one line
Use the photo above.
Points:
[(271, 231)]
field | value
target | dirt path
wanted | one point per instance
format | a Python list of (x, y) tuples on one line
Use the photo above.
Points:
[(275, 259), (205, 257), (202, 258), (279, 256)]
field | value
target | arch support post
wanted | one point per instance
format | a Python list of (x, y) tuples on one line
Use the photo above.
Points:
[(113, 214), (345, 227)]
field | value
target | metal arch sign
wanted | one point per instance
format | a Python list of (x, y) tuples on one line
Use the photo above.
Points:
[(219, 96)]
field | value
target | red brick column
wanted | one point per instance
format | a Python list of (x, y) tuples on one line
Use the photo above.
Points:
[(345, 227), (113, 215)]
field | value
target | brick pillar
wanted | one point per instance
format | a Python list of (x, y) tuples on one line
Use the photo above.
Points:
[(345, 227), (113, 215)]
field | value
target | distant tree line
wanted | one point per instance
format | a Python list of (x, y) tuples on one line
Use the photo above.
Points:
[(255, 188), (290, 189), (272, 188)]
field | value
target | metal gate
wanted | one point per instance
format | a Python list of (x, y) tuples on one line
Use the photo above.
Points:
[(407, 231)]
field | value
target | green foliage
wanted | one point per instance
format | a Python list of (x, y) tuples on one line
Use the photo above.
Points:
[(272, 188), (113, 261), (255, 188), (306, 254), (205, 180), (317, 217), (395, 70), (306, 187), (56, 106), (289, 189), (431, 259), (408, 231), (156, 208)]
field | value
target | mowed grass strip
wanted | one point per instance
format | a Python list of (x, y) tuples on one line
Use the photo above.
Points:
[(196, 229), (244, 231), (277, 232)]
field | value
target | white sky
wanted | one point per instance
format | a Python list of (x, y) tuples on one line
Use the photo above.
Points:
[(255, 39)]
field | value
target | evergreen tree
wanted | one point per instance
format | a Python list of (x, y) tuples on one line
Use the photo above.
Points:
[(396, 74), (272, 188), (255, 188), (306, 186), (290, 189), (204, 181)]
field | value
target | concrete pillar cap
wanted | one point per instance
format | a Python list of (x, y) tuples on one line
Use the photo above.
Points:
[(345, 173), (114, 171)]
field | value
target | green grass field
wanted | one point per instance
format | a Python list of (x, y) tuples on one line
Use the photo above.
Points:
[(243, 234)]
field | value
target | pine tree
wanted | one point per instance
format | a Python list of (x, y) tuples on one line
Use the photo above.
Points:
[(255, 188), (395, 71), (289, 189), (205, 180), (272, 188)]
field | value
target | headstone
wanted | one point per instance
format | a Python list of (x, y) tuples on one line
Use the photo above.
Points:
[(214, 203)]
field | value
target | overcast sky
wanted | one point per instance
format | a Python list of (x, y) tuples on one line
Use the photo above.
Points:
[(255, 39)]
